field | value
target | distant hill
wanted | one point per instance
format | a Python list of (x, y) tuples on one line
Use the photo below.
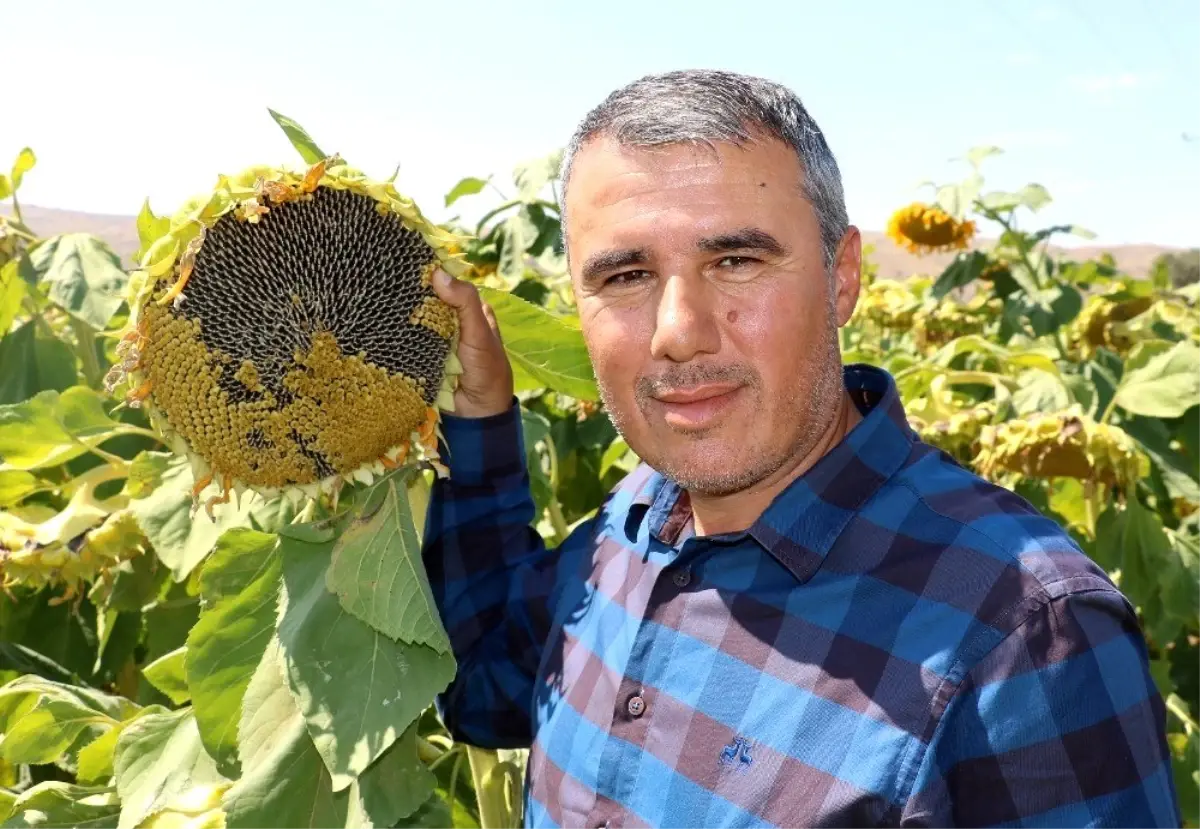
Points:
[(120, 232)]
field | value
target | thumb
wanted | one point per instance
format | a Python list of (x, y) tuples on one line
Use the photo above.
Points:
[(474, 327)]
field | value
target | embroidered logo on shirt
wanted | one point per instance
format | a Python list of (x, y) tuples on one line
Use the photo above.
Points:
[(738, 750)]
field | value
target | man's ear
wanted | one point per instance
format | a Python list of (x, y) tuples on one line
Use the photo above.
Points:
[(847, 274)]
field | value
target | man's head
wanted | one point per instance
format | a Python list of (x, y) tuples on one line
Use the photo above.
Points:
[(712, 263)]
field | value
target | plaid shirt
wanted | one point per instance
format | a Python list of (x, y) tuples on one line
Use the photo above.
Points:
[(894, 641)]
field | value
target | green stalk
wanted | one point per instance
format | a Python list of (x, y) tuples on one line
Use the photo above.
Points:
[(557, 519), (17, 207), (489, 788), (1176, 707)]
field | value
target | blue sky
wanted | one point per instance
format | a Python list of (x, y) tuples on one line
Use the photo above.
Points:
[(123, 100)]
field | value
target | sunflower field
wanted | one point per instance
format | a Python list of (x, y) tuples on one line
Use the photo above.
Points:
[(214, 611)]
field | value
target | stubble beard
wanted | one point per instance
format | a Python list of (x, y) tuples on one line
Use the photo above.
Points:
[(811, 409)]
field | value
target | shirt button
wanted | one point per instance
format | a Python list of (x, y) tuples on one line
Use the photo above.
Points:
[(682, 578), (636, 706)]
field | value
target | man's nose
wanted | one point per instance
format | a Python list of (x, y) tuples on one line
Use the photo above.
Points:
[(685, 326)]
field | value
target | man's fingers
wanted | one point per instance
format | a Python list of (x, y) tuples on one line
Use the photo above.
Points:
[(464, 298)]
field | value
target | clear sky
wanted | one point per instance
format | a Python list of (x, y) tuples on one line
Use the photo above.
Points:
[(1091, 98)]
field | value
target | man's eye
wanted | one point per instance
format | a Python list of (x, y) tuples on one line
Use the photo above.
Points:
[(734, 261), (625, 278)]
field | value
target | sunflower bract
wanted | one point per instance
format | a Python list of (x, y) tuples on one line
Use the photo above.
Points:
[(296, 339)]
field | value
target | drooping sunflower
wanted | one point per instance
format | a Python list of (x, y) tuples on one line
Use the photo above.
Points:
[(284, 334), (921, 228)]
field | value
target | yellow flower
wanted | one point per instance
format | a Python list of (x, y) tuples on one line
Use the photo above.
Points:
[(284, 334), (920, 228)]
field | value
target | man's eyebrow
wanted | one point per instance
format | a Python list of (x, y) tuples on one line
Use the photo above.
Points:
[(606, 260), (748, 238)]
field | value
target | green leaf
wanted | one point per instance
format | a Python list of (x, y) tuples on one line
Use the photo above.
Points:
[(978, 154), (545, 347), (96, 758), (536, 429), (159, 757), (24, 694), (34, 362), (168, 674), (1158, 382), (150, 228), (226, 645), (240, 558), (284, 782), (358, 689), (24, 163), (180, 540), (533, 175), (45, 732), (300, 139), (377, 573), (53, 804), (1034, 196), (54, 428), (1179, 579), (135, 584), (517, 234), (465, 187), (12, 291), (84, 276), (434, 814), (1040, 391), (17, 484), (6, 187), (8, 799), (1179, 476), (964, 270)]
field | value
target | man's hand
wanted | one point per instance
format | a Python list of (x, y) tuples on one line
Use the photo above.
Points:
[(486, 385)]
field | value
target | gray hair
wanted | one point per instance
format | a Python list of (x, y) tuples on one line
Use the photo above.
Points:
[(705, 106)]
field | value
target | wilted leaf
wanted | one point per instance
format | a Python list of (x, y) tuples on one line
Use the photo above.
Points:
[(52, 805), (465, 187), (180, 540), (543, 346), (159, 757), (34, 362), (168, 674), (377, 573), (300, 139), (358, 689), (1158, 382), (227, 643), (84, 275)]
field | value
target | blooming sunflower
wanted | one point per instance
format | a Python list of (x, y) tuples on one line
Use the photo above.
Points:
[(920, 228), (284, 334)]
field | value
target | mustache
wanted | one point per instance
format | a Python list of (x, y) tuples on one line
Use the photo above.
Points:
[(686, 376)]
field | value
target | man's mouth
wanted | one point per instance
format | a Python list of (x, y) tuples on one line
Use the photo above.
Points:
[(696, 407)]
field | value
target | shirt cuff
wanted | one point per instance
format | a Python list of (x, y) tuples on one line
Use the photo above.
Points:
[(481, 449)]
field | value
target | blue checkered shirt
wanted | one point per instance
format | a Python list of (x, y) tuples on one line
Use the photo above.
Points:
[(895, 641)]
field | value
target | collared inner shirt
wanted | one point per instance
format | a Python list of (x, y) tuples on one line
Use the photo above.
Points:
[(894, 641)]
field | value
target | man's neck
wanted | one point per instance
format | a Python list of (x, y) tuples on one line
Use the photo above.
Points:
[(736, 512)]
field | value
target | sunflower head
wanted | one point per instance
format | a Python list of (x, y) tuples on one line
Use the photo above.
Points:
[(921, 228), (284, 333)]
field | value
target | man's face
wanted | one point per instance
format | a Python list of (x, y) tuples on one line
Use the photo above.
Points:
[(707, 310)]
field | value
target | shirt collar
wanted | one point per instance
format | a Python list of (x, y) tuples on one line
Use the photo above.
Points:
[(804, 521)]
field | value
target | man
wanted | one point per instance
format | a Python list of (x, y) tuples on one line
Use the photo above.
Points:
[(793, 612)]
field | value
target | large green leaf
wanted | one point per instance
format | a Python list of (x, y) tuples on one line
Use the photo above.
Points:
[(964, 270), (1040, 391), (159, 757), (1160, 382), (53, 804), (83, 274), (227, 643), (180, 539), (284, 781), (53, 428), (542, 345), (24, 694), (300, 139), (377, 572), (357, 688), (96, 758), (18, 484), (1178, 474), (34, 362)]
